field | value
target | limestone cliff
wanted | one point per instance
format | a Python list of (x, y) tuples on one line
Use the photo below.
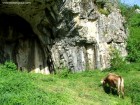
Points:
[(47, 35)]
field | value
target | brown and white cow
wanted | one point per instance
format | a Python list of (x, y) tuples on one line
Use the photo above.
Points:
[(115, 82)]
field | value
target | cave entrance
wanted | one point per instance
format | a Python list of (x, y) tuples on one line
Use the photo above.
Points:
[(18, 43)]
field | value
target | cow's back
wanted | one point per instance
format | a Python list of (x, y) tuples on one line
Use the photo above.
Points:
[(112, 79)]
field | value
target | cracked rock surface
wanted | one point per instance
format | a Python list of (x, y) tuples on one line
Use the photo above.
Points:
[(48, 35)]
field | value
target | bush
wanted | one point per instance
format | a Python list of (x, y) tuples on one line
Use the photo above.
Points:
[(133, 49), (63, 73), (10, 66), (117, 62), (103, 7), (132, 90), (133, 43), (133, 23), (103, 11)]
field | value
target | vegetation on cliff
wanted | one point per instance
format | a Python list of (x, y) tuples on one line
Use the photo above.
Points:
[(133, 24)]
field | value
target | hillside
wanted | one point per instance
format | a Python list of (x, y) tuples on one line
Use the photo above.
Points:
[(22, 88)]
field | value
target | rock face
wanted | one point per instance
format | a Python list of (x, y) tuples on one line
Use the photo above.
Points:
[(48, 35)]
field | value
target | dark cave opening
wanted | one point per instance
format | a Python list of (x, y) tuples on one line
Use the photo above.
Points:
[(18, 43), (17, 23)]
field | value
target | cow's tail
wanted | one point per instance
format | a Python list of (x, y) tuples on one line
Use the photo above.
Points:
[(122, 86)]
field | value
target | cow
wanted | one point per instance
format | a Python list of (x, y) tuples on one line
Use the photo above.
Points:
[(114, 82)]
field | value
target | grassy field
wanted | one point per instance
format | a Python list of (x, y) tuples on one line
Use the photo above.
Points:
[(22, 88)]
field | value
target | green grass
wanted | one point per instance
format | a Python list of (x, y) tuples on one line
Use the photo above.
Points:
[(22, 88)]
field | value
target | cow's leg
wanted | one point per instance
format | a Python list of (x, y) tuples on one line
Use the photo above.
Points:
[(122, 91), (122, 87), (118, 87)]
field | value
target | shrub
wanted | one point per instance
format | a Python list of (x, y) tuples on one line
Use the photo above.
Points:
[(103, 11), (117, 61), (132, 90), (10, 66), (133, 23), (133, 49), (103, 7), (64, 72)]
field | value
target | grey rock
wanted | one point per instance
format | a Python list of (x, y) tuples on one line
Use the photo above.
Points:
[(48, 35)]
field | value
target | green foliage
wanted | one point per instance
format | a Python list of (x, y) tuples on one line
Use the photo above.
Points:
[(63, 73), (129, 67), (100, 3), (124, 10), (103, 11), (9, 65), (136, 6), (133, 45), (134, 91), (133, 23), (132, 86), (128, 11), (103, 6), (133, 48), (117, 61)]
